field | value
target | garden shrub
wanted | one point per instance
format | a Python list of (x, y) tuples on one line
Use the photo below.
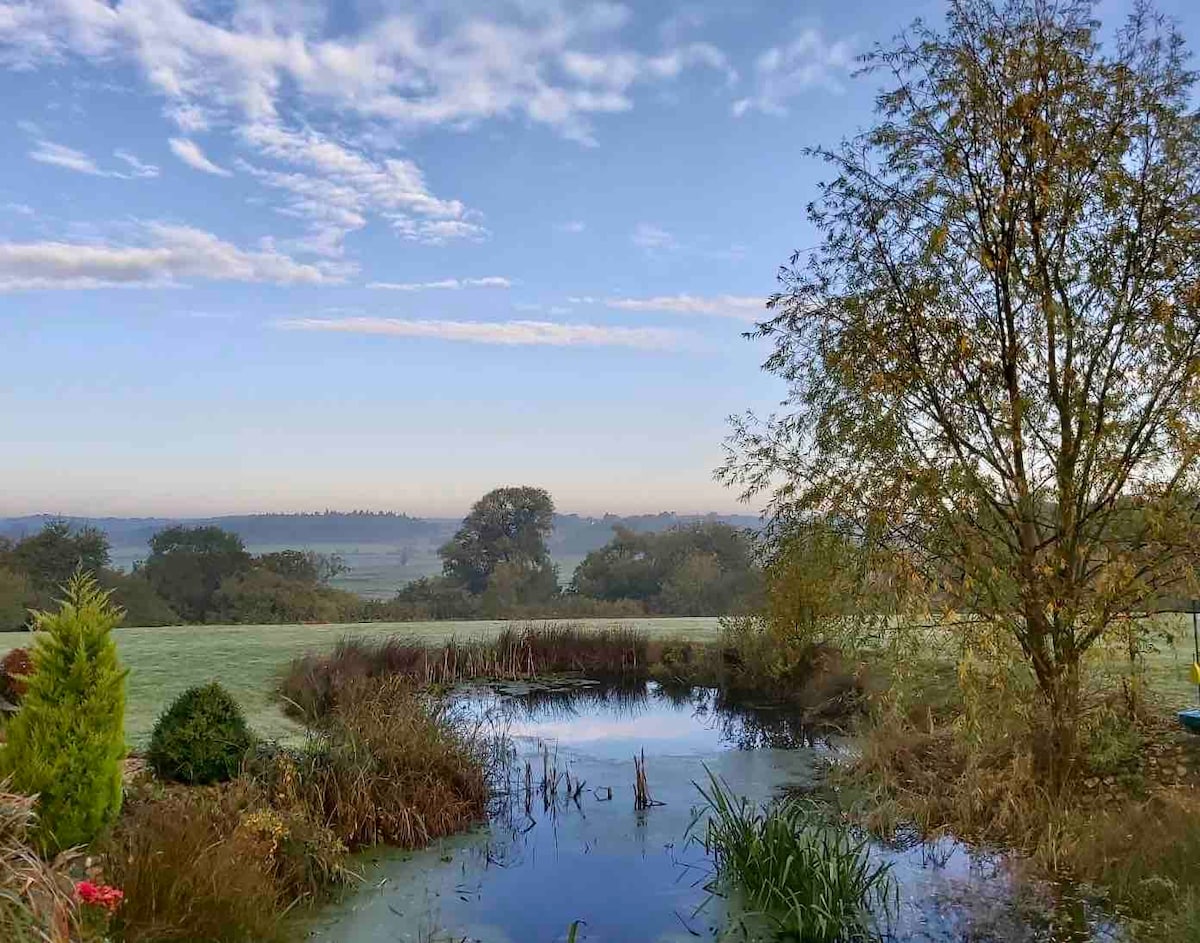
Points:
[(67, 743), (15, 669), (201, 738)]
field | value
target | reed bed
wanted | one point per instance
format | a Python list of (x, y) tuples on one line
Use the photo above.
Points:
[(313, 683), (388, 766), (790, 868)]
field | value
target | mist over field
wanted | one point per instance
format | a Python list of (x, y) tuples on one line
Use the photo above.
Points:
[(382, 550)]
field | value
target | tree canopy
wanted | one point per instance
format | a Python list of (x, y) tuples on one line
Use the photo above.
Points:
[(507, 526), (187, 564), (697, 569), (50, 557), (993, 355)]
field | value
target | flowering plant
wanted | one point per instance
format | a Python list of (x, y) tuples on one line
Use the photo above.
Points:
[(100, 895)]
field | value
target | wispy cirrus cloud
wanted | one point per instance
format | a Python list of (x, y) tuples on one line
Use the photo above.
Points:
[(451, 284), (740, 307), (503, 333), (68, 158), (653, 238), (335, 188), (190, 153), (137, 167), (168, 255), (783, 72)]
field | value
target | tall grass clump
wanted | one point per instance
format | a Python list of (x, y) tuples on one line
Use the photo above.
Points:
[(223, 864), (789, 866), (388, 765), (312, 685), (37, 903), (67, 743)]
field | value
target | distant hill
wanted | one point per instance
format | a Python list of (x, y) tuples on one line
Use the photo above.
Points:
[(573, 533), (299, 529)]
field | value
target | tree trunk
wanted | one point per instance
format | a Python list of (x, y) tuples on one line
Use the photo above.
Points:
[(1057, 753)]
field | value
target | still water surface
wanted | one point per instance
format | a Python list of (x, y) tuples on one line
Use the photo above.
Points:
[(546, 861)]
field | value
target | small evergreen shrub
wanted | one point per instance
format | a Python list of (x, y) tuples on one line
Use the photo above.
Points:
[(201, 738), (67, 743)]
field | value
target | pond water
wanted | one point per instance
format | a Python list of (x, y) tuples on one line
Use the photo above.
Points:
[(546, 861)]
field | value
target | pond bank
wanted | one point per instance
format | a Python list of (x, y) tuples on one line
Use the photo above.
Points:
[(550, 858)]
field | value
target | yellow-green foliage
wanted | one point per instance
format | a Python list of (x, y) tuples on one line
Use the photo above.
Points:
[(67, 743)]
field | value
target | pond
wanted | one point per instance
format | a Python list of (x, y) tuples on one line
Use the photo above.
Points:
[(580, 853)]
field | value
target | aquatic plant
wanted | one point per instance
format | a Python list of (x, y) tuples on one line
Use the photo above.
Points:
[(312, 685), (790, 866)]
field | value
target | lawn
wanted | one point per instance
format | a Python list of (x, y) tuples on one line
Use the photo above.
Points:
[(246, 659)]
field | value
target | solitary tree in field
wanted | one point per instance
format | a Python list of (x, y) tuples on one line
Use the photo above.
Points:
[(993, 357), (506, 527)]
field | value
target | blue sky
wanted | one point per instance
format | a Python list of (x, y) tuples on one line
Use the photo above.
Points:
[(292, 255)]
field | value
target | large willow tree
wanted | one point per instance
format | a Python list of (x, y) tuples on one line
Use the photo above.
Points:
[(993, 356)]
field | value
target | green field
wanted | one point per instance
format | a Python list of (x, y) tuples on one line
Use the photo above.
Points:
[(246, 659)]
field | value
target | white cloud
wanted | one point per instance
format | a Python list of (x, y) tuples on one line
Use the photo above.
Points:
[(338, 186), (783, 72), (168, 255), (59, 155), (741, 307), (572, 226), (506, 333), (189, 152), (552, 62), (650, 237), (137, 168), (490, 281)]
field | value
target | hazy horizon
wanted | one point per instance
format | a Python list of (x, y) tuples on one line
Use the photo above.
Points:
[(740, 510)]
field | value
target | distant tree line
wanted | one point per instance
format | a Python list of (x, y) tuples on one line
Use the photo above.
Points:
[(193, 574), (496, 565)]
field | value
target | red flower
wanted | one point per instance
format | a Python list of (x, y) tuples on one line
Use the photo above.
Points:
[(100, 895)]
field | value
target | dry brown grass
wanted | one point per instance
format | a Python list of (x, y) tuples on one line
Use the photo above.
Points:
[(390, 767), (964, 762), (216, 864), (37, 900), (313, 683)]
